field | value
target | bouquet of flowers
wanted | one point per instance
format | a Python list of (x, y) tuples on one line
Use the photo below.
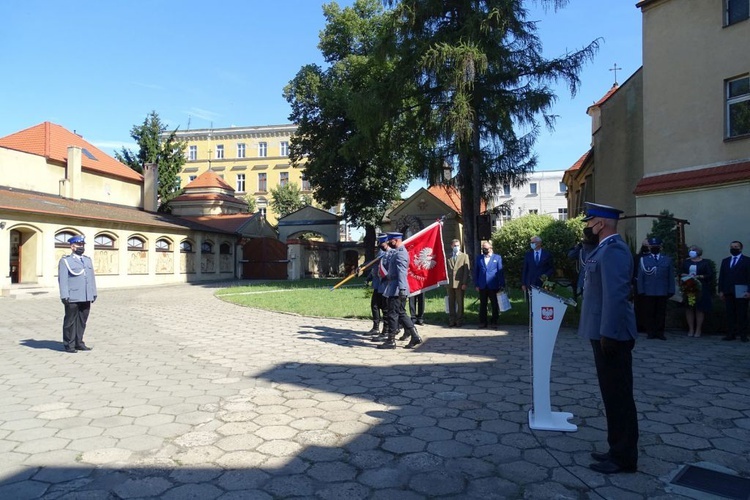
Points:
[(690, 287), (547, 284)]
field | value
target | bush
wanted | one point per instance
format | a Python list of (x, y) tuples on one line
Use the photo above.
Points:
[(511, 242)]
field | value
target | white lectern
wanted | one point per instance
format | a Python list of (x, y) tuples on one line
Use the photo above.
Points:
[(546, 311)]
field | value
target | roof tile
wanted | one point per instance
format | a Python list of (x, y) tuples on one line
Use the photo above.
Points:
[(724, 174)]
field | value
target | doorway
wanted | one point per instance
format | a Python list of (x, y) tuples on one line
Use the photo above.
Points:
[(15, 256)]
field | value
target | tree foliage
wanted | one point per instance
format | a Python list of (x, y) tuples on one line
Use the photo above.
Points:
[(470, 85), (288, 198), (511, 242), (665, 229), (165, 150), (339, 132)]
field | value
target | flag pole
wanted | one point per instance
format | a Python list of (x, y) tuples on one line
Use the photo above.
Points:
[(355, 273)]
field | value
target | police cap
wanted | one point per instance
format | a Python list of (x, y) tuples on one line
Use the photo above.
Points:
[(382, 238), (654, 242), (77, 239), (604, 211), (395, 236)]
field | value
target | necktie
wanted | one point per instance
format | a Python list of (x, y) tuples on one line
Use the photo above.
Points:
[(536, 257), (734, 261)]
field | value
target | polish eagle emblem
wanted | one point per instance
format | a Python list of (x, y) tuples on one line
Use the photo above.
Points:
[(424, 259)]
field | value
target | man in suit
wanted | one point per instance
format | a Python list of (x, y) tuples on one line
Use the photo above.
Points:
[(655, 284), (489, 279), (377, 302), (608, 322), (458, 279), (734, 282), (536, 263), (397, 292), (75, 276)]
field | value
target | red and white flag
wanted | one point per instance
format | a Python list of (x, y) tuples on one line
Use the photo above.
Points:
[(427, 268)]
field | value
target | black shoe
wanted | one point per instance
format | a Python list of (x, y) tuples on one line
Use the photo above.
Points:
[(388, 344), (729, 337), (405, 336), (374, 331), (600, 457), (70, 350), (379, 338), (414, 342), (609, 467), (84, 348), (420, 322), (483, 325)]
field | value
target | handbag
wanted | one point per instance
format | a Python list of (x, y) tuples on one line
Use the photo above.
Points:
[(503, 301)]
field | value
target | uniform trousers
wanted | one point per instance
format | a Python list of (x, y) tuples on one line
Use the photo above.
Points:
[(397, 314), (376, 306), (736, 316), (615, 374), (487, 294), (74, 323), (654, 314)]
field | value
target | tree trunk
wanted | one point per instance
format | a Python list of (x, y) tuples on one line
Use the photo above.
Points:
[(369, 242)]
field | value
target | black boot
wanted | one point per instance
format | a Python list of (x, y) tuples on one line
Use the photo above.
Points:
[(381, 336), (375, 328), (390, 343), (406, 335), (415, 339)]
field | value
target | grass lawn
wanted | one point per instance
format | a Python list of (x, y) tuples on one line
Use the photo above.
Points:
[(314, 297)]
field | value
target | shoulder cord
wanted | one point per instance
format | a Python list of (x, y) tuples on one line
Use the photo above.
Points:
[(648, 271), (73, 272)]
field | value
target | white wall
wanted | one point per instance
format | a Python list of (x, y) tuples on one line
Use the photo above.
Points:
[(548, 199)]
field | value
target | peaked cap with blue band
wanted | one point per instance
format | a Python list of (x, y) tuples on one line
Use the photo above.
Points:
[(395, 236), (604, 211), (77, 239), (382, 238)]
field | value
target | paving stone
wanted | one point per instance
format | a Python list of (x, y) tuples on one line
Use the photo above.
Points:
[(103, 456), (139, 488)]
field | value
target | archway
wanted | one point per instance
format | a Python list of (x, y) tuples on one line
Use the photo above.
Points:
[(24, 255)]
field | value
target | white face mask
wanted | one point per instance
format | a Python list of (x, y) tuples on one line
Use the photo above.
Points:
[(693, 254), (455, 250), (533, 246)]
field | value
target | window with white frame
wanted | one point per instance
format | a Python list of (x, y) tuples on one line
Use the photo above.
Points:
[(104, 242), (193, 153), (284, 148), (533, 188), (738, 106), (736, 11), (262, 181), (506, 189), (220, 152), (305, 184), (562, 213), (283, 178), (533, 211), (207, 247), (263, 149), (240, 183), (186, 247), (137, 244), (163, 245), (241, 150)]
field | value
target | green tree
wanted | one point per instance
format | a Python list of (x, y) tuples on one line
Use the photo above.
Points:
[(251, 203), (347, 157), (665, 228), (156, 146), (288, 198), (511, 242), (470, 85)]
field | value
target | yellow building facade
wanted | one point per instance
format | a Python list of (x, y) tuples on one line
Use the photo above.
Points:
[(253, 160)]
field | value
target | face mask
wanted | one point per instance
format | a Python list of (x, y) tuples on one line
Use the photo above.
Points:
[(486, 251), (79, 250), (392, 244), (455, 250), (533, 246), (645, 249), (655, 250), (735, 251), (693, 254), (589, 236)]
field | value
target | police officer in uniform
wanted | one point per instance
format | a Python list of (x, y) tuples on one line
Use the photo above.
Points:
[(377, 301), (656, 283), (75, 275), (608, 321), (397, 293)]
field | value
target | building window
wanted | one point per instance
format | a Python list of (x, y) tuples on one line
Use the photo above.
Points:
[(284, 148), (262, 149), (240, 183), (533, 211), (220, 152), (305, 184), (193, 153), (191, 178), (262, 182), (225, 249), (104, 242), (136, 244), (506, 189), (241, 150), (283, 178), (738, 106), (736, 11), (533, 188), (163, 245), (563, 188), (207, 247), (562, 213), (61, 239)]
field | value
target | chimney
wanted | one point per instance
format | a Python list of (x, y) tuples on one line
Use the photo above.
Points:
[(150, 185), (72, 187)]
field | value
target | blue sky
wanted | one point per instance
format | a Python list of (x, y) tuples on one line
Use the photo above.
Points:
[(99, 67)]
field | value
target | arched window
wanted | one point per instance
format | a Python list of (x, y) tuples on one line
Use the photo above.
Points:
[(225, 249), (104, 242), (61, 238), (186, 247), (163, 245), (207, 247), (136, 244)]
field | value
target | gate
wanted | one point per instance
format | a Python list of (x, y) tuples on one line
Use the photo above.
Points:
[(264, 258)]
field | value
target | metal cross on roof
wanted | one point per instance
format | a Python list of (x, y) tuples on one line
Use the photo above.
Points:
[(615, 69)]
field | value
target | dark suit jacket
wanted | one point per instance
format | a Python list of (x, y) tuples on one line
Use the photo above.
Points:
[(737, 275), (490, 276), (532, 271)]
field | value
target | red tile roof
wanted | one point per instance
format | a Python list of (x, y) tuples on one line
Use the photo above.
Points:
[(451, 197), (230, 223), (609, 94), (580, 161), (51, 141), (209, 179), (723, 174)]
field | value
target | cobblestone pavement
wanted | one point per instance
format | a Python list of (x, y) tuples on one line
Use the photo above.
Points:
[(185, 396)]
